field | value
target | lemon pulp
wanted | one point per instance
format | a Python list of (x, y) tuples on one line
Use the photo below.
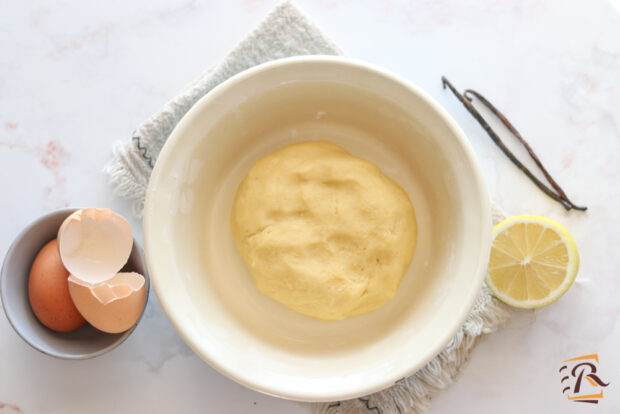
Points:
[(533, 261)]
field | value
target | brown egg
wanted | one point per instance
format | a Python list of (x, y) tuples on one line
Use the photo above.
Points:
[(48, 290)]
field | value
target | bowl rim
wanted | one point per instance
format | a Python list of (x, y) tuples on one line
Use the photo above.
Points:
[(3, 275), (253, 381)]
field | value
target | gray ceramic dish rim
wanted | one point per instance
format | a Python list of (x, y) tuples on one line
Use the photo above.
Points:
[(9, 253)]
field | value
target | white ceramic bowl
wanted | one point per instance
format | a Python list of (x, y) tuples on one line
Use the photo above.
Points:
[(203, 284)]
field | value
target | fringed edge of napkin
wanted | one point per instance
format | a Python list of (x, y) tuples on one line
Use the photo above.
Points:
[(288, 32), (413, 394), (284, 32)]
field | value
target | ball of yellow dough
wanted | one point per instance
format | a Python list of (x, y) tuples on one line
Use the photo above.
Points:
[(323, 232)]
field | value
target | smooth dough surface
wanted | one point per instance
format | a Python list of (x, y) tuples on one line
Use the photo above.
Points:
[(323, 232)]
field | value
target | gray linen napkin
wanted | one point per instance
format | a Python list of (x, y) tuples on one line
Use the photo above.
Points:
[(284, 32), (287, 32)]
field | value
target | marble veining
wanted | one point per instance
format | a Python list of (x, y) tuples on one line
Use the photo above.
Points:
[(77, 76)]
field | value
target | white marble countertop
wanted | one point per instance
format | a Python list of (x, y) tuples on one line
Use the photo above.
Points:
[(76, 76)]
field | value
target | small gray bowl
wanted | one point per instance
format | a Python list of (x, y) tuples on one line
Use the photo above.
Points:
[(85, 342)]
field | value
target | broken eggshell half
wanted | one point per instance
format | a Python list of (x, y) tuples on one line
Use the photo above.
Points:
[(94, 244), (111, 306)]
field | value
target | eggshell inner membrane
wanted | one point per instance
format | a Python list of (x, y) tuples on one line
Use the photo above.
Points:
[(112, 306), (94, 244)]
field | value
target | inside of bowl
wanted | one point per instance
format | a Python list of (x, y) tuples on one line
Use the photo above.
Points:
[(205, 286), (84, 342)]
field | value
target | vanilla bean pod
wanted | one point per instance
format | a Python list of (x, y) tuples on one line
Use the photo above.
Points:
[(523, 142), (557, 195)]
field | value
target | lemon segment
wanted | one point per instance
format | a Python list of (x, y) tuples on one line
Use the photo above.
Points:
[(533, 261)]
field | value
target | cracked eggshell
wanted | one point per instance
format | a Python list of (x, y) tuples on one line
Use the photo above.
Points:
[(112, 306), (94, 244)]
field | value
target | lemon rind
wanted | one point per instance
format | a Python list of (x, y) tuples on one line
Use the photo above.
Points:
[(571, 268)]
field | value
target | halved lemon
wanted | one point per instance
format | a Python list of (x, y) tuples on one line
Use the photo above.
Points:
[(533, 261)]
